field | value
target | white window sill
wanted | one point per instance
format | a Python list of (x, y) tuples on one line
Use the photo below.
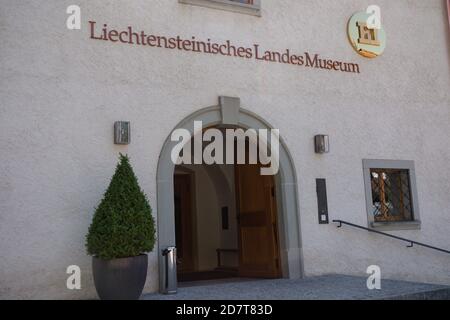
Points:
[(250, 9), (396, 226)]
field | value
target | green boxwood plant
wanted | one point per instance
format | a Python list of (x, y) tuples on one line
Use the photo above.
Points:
[(123, 225)]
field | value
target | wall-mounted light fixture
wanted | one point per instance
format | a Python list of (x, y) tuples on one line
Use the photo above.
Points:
[(122, 132), (322, 144)]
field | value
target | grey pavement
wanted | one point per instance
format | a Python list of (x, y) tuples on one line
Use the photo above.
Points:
[(331, 287)]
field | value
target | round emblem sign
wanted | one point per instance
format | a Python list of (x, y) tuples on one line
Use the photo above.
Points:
[(368, 42)]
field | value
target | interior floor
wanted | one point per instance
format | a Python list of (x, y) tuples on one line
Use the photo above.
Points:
[(207, 275), (214, 282)]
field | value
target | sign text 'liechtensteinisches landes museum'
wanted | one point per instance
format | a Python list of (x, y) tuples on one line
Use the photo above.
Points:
[(225, 48)]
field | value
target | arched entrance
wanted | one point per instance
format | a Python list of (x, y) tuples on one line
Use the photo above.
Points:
[(229, 113)]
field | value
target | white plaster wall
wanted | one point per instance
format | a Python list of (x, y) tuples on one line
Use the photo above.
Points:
[(61, 92), (208, 235), (207, 219)]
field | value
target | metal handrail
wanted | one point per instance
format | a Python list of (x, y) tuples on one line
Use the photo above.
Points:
[(411, 242)]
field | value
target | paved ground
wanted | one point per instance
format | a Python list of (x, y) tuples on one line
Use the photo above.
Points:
[(333, 287)]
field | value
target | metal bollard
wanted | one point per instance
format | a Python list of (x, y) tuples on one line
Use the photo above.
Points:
[(170, 270)]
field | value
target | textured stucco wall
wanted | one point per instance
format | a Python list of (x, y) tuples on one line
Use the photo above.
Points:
[(60, 93), (207, 220)]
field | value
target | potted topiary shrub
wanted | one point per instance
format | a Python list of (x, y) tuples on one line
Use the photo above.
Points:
[(121, 233)]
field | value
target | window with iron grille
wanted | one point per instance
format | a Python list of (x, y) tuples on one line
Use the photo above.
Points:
[(252, 7), (391, 194)]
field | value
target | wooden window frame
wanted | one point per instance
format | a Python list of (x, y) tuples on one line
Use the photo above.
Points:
[(368, 166), (228, 5)]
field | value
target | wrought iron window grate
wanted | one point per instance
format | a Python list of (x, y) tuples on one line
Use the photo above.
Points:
[(391, 195)]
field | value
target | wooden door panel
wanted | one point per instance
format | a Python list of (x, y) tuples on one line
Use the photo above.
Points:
[(251, 189), (258, 238), (253, 219), (256, 253)]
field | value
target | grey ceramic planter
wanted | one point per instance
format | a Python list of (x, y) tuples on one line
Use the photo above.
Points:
[(120, 279)]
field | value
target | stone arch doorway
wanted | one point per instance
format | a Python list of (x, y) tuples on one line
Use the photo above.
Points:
[(230, 113)]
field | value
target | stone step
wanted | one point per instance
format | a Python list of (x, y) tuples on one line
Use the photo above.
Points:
[(438, 294), (329, 287)]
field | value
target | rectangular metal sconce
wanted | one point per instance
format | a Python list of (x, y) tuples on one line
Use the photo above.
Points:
[(322, 201), (122, 132), (322, 144)]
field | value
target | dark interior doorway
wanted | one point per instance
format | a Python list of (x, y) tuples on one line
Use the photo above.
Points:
[(249, 204), (184, 230)]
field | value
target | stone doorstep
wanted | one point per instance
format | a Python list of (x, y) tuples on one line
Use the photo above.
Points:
[(336, 287), (438, 294)]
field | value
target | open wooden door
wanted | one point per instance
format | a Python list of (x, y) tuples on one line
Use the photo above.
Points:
[(258, 228)]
